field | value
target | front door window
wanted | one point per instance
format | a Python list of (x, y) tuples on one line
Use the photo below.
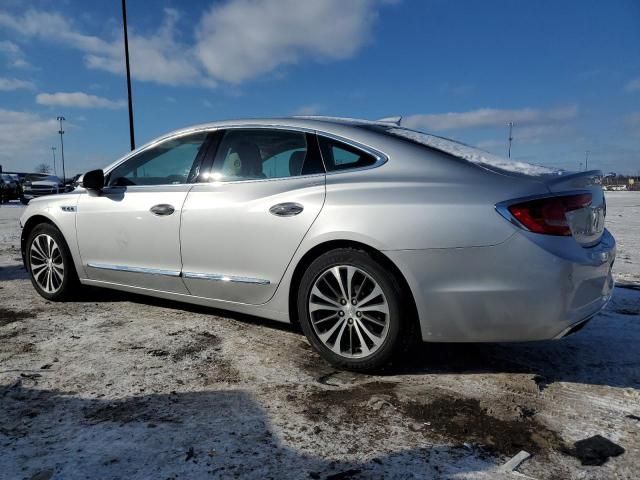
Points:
[(170, 163)]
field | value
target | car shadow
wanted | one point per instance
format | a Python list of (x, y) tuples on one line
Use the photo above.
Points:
[(201, 434), (604, 352), (102, 295), (13, 272)]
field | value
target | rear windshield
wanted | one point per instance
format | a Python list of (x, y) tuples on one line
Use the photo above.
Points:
[(465, 152)]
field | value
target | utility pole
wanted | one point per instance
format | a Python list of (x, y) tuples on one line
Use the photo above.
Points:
[(510, 137), (53, 150), (126, 58), (61, 132), (586, 160)]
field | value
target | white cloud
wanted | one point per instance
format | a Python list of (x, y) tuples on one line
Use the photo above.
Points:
[(236, 40), (633, 85), (311, 109), (77, 100), (14, 54), (51, 26), (241, 39), (22, 136), (489, 117), (529, 135), (158, 57), (10, 84)]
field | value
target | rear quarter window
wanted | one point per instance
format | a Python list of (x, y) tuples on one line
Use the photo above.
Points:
[(340, 156)]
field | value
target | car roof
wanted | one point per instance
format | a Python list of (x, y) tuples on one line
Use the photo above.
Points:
[(321, 123)]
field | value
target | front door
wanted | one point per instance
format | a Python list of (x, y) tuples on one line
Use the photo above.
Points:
[(129, 233), (240, 230)]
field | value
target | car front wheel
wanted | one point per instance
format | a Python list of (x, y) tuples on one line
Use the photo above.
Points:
[(350, 309), (50, 264)]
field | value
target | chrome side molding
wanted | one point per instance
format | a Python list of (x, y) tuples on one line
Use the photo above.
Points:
[(123, 268), (225, 278), (175, 273)]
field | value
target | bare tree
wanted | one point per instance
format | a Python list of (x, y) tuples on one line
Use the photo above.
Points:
[(43, 168)]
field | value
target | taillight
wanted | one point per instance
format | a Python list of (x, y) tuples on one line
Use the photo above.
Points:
[(548, 215)]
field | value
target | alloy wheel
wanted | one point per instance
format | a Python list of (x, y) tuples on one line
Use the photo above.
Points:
[(349, 311), (47, 266)]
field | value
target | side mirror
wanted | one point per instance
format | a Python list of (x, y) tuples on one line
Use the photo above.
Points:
[(93, 180)]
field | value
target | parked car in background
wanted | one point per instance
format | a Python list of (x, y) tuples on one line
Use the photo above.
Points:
[(369, 235), (39, 184), (8, 187)]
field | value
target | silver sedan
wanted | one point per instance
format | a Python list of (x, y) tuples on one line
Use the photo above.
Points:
[(368, 235)]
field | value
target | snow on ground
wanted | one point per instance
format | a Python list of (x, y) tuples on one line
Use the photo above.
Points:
[(623, 219), (122, 386)]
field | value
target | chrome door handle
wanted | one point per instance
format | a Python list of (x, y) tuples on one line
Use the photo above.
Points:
[(162, 209), (287, 209)]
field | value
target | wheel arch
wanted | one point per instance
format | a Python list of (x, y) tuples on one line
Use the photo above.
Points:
[(28, 227), (329, 245)]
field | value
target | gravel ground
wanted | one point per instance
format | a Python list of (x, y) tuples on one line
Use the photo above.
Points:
[(122, 386)]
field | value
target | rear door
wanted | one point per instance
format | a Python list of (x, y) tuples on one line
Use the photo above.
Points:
[(242, 227)]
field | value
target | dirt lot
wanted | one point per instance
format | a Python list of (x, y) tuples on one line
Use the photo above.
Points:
[(120, 386)]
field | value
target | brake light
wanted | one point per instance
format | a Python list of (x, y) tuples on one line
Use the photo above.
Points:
[(548, 215)]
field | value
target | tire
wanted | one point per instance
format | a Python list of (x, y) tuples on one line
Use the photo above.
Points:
[(61, 272), (383, 339)]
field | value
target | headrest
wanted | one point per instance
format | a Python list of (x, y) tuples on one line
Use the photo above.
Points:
[(296, 160), (250, 159)]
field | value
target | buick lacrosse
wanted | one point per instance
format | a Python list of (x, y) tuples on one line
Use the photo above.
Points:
[(368, 235)]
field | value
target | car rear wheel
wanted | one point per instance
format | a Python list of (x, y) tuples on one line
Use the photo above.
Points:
[(50, 264), (349, 308)]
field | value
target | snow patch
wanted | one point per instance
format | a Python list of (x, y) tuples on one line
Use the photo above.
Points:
[(473, 155)]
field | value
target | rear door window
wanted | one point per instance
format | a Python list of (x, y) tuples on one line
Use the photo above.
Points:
[(255, 154)]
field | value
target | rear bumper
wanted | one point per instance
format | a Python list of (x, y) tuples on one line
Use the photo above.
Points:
[(530, 287)]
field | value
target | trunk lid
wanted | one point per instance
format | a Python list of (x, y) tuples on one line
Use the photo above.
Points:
[(587, 224)]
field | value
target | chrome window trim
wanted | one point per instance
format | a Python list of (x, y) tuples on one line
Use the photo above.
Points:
[(217, 277), (109, 168), (123, 268), (381, 158)]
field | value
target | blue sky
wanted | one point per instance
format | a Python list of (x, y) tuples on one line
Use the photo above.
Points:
[(566, 73)]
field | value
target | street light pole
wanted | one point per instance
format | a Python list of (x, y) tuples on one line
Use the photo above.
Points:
[(126, 58), (61, 132), (53, 150), (586, 160), (510, 137)]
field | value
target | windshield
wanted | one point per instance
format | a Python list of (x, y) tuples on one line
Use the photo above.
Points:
[(466, 152)]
